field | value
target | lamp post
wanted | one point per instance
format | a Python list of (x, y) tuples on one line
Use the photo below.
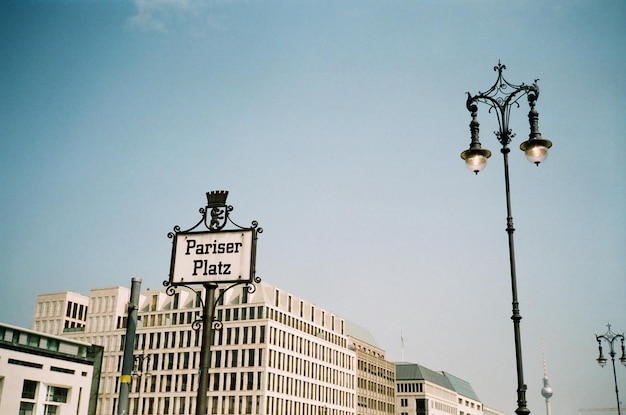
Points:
[(139, 361), (611, 338), (500, 98)]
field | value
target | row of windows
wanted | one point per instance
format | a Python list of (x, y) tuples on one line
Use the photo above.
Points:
[(54, 396), (162, 383), (73, 326), (374, 404), (230, 381), (76, 311), (188, 317), (375, 387), (469, 403), (297, 365), (281, 406), (421, 406), (41, 342), (104, 304), (410, 387), (237, 358), (187, 338), (376, 370), (305, 327), (236, 381), (244, 404), (153, 382), (309, 348), (298, 388)]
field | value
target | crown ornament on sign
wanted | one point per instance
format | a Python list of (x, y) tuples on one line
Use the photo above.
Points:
[(216, 198)]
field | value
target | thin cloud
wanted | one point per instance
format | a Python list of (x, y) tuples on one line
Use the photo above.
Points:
[(166, 16)]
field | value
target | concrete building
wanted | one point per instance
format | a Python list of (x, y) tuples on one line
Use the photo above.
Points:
[(275, 354), (61, 312), (376, 376), (421, 391), (42, 374)]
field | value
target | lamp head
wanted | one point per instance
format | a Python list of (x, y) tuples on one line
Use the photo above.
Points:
[(476, 158), (601, 359), (536, 149)]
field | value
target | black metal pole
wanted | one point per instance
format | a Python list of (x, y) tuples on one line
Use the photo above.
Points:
[(205, 350), (619, 410), (516, 317), (129, 346)]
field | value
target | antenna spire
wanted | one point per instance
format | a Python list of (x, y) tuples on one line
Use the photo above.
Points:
[(546, 391)]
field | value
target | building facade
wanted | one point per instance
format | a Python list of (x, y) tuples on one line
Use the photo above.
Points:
[(376, 376), (43, 374), (421, 391), (61, 312), (274, 354)]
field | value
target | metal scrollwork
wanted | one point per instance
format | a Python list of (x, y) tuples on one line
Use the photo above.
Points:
[(217, 324), (197, 323), (215, 216), (501, 101)]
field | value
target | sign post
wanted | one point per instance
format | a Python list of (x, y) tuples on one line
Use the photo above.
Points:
[(211, 257)]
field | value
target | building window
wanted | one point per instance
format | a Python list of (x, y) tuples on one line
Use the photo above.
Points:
[(28, 389), (33, 340), (53, 345), (421, 406), (26, 408), (56, 394)]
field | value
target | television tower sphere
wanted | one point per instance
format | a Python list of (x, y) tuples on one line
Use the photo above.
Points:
[(546, 391)]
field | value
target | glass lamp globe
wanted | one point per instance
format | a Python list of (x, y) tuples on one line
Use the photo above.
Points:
[(536, 149), (476, 159)]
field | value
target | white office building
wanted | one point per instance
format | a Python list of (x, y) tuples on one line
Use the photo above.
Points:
[(42, 374), (275, 354), (421, 391)]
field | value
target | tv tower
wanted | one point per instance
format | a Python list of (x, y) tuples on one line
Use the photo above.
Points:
[(546, 391)]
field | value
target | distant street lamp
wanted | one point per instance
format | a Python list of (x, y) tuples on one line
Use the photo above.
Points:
[(500, 100), (611, 338), (139, 361)]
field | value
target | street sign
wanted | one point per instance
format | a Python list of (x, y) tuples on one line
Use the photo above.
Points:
[(213, 257)]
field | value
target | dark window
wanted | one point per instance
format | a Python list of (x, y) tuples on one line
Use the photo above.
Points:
[(62, 370), (216, 382), (26, 408), (23, 363), (33, 340), (28, 389), (421, 406), (56, 394)]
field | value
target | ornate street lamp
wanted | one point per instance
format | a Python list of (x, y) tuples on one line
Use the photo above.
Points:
[(500, 98), (611, 338), (139, 373)]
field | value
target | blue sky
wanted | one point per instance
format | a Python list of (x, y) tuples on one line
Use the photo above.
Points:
[(338, 126)]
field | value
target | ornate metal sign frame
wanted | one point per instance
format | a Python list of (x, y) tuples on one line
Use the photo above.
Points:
[(215, 217)]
